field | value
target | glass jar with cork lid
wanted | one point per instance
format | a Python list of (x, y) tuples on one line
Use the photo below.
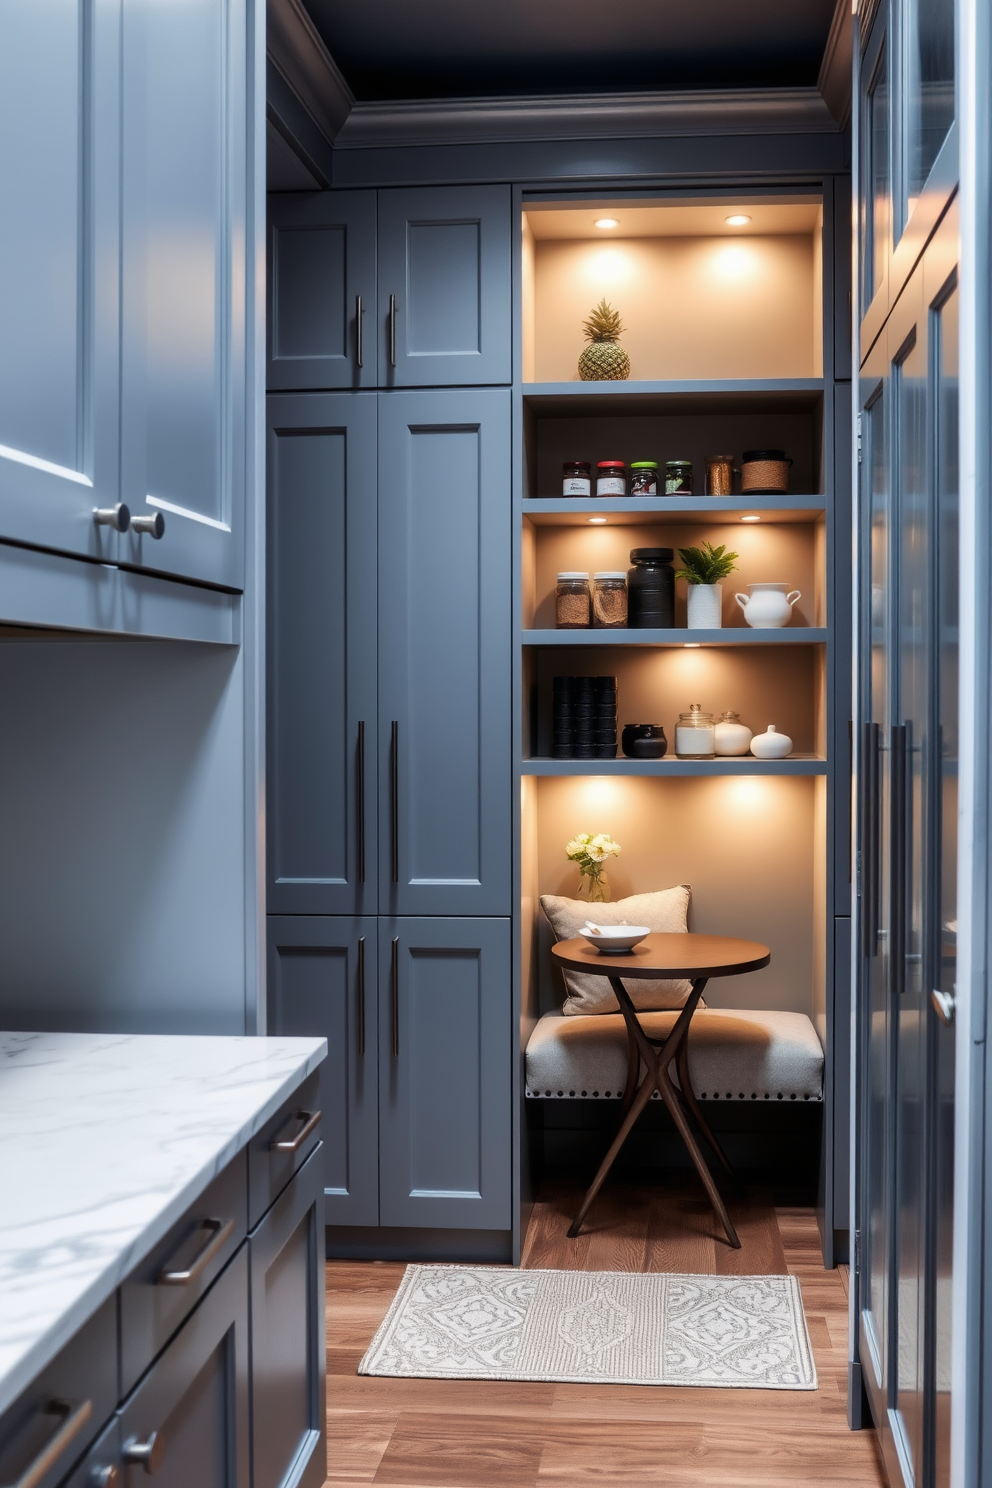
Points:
[(609, 600), (573, 603)]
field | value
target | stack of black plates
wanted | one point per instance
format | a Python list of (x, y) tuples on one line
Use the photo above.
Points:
[(585, 718)]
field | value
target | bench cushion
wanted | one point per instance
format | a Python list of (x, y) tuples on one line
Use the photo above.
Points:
[(665, 910), (733, 1055)]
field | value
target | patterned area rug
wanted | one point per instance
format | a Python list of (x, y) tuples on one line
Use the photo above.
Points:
[(595, 1327)]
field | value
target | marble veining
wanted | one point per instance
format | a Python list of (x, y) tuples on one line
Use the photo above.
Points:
[(105, 1140)]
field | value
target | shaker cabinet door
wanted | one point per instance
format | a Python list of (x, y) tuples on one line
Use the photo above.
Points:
[(184, 290), (322, 983), (444, 653), (444, 1073), (321, 694), (444, 286), (59, 323), (322, 325)]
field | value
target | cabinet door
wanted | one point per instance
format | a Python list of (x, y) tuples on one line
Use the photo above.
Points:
[(322, 982), (59, 177), (184, 293), (287, 1337), (444, 286), (321, 291), (444, 653), (187, 1422), (322, 654), (444, 1073)]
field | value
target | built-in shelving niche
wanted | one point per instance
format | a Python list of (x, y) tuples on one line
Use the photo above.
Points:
[(725, 335)]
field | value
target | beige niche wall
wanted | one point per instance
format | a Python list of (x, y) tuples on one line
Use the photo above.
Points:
[(746, 846), (705, 307)]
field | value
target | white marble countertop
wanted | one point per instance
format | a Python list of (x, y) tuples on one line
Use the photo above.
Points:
[(105, 1140)]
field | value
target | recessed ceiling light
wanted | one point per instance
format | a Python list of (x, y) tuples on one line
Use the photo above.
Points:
[(596, 521), (738, 219), (609, 222), (750, 519)]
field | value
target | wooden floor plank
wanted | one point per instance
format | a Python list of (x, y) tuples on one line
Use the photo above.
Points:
[(476, 1434)]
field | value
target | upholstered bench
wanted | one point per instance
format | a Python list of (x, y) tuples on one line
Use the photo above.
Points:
[(733, 1055)]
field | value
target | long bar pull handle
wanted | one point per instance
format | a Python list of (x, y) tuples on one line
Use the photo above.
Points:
[(897, 838), (359, 312), (870, 845), (394, 801), (392, 330), (360, 793), (361, 997), (311, 1120), (71, 1417), (218, 1232), (394, 993)]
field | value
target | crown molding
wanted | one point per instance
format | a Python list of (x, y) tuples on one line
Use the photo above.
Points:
[(835, 79), (465, 121), (297, 51)]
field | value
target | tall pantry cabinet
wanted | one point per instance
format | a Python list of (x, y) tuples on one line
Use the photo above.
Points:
[(389, 825)]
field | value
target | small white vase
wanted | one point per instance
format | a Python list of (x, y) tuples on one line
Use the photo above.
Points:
[(768, 606), (771, 745), (705, 607), (730, 736)]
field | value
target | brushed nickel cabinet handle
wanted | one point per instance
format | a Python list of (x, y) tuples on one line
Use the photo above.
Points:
[(72, 1417), (394, 801), (898, 886), (105, 1477), (392, 330), (361, 997), (118, 517), (218, 1232), (394, 993), (360, 793), (147, 1454), (359, 312), (310, 1119), (154, 525)]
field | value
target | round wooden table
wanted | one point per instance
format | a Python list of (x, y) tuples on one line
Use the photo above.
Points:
[(697, 958)]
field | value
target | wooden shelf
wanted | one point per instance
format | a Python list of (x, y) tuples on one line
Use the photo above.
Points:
[(743, 395), (678, 511), (789, 636), (796, 764)]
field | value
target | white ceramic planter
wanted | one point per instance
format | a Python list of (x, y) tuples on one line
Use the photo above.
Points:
[(771, 745), (768, 606), (705, 607)]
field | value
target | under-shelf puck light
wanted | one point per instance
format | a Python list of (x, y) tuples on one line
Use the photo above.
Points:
[(690, 645), (751, 519), (736, 219), (610, 221), (596, 521)]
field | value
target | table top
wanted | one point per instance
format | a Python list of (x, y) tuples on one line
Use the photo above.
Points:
[(660, 955)]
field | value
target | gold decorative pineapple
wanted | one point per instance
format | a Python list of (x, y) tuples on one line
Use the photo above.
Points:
[(603, 360)]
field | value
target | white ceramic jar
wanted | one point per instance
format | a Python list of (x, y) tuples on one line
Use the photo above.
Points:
[(771, 745), (704, 607), (730, 736), (768, 606)]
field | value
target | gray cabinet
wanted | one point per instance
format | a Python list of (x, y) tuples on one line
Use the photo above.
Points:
[(444, 286), (444, 653), (188, 1419), (321, 698), (444, 1073), (183, 290), (323, 981), (287, 1336), (322, 318), (59, 257)]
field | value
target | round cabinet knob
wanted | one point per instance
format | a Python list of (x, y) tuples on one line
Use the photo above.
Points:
[(154, 526), (105, 1477), (118, 517), (147, 1454)]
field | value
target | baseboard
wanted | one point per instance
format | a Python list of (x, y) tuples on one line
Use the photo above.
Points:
[(369, 1243)]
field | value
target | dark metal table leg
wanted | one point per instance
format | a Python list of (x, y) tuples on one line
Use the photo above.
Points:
[(685, 1085)]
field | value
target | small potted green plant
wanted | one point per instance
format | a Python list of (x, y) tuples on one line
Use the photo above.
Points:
[(703, 568)]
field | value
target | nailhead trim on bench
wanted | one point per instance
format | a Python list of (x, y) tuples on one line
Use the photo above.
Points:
[(595, 1095)]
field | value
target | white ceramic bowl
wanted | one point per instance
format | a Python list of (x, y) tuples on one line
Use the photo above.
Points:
[(614, 940)]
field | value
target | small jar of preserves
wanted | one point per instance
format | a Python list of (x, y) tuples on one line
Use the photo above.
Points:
[(611, 478), (644, 477), (576, 478), (719, 475), (609, 600), (678, 477), (695, 736), (573, 603)]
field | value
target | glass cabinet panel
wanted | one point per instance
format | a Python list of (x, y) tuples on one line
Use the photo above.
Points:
[(928, 91), (875, 207)]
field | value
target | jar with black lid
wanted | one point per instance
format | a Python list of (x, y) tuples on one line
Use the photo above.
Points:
[(576, 478), (651, 589)]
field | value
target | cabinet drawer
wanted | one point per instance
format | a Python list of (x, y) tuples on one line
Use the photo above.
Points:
[(96, 1470), (159, 1293), (60, 1414), (282, 1147)]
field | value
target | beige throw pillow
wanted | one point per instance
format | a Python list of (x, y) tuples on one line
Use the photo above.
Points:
[(665, 911)]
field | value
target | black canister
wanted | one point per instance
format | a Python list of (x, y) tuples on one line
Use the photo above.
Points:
[(651, 589), (644, 741)]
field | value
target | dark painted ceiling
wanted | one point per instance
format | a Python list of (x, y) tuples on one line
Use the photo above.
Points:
[(390, 49)]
